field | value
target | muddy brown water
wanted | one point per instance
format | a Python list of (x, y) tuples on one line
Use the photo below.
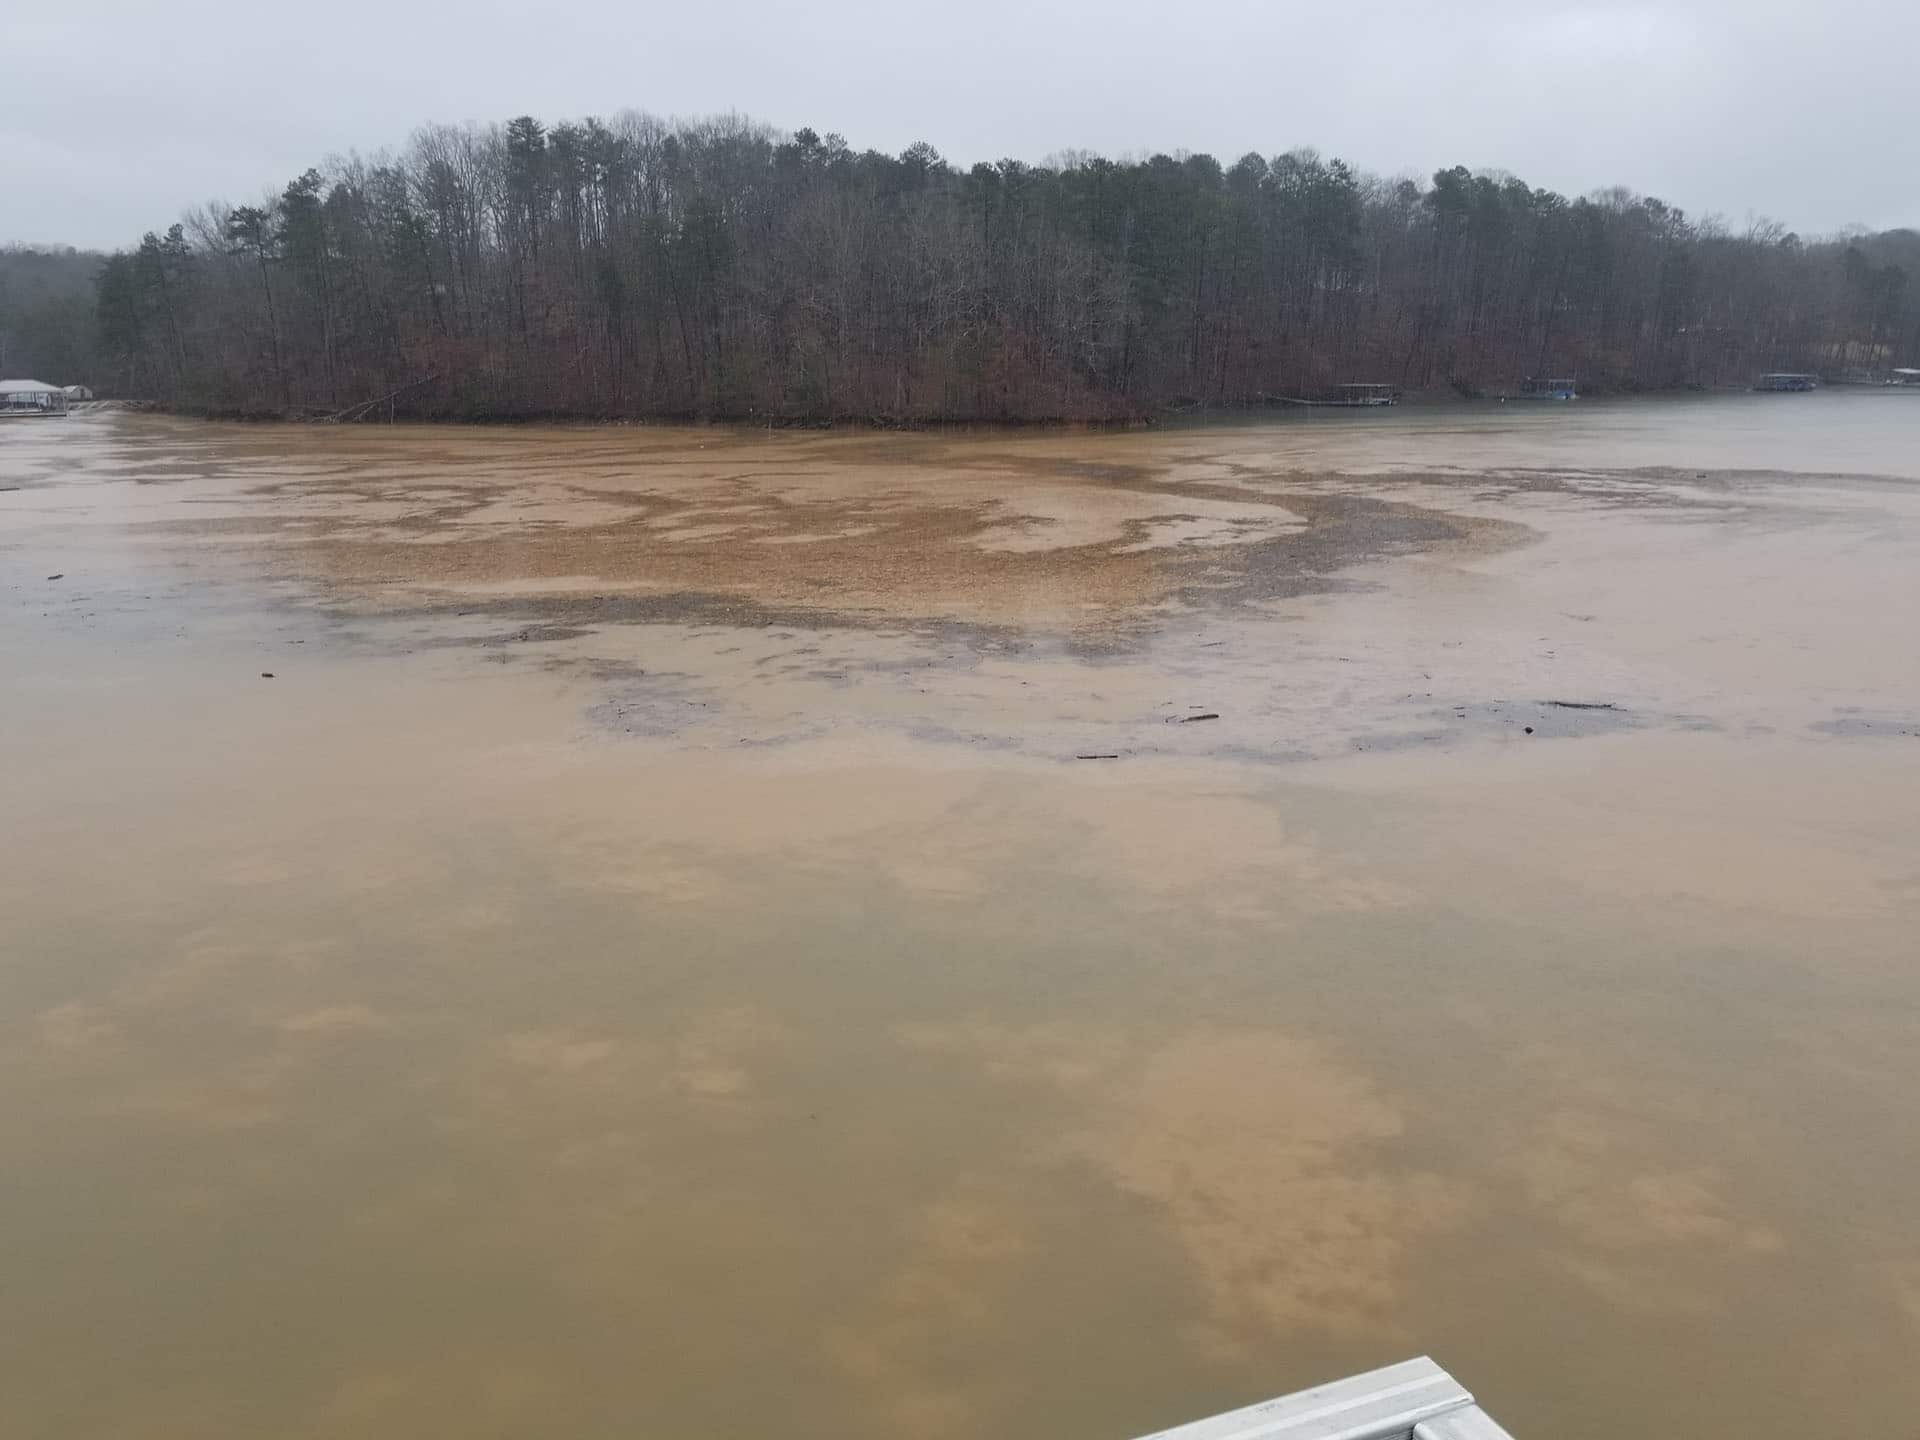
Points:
[(650, 961)]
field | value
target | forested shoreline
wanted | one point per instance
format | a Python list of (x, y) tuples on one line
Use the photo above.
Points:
[(722, 269)]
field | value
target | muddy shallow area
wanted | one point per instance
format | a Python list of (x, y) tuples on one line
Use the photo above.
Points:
[(654, 931)]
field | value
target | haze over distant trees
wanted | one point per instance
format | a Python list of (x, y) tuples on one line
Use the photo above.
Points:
[(47, 308), (635, 267)]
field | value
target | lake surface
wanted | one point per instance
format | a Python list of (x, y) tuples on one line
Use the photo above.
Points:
[(651, 960)]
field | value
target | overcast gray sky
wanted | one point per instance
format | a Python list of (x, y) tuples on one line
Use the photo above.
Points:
[(117, 114)]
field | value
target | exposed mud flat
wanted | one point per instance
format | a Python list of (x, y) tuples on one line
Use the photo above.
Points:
[(651, 959)]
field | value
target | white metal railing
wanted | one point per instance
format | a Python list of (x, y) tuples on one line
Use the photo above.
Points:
[(1414, 1400)]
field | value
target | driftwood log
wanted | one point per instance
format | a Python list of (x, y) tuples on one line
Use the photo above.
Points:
[(356, 412)]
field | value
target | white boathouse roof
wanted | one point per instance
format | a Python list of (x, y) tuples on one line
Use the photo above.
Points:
[(1414, 1400)]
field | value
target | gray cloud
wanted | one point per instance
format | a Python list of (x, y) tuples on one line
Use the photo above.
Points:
[(118, 114)]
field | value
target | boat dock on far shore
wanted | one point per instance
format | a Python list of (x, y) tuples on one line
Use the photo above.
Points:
[(1365, 395), (21, 399), (1549, 389)]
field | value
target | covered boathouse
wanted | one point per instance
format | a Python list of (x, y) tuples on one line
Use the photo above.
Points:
[(30, 397)]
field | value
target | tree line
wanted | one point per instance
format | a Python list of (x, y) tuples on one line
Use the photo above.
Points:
[(47, 313), (635, 267)]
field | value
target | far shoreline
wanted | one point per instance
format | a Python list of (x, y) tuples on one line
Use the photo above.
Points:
[(1169, 418)]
